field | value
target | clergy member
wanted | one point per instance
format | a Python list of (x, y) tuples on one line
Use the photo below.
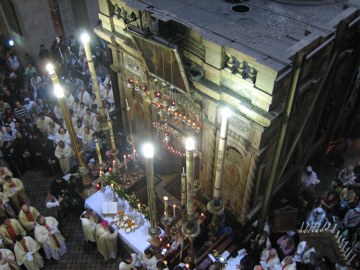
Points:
[(106, 240), (14, 189), (4, 171), (149, 260), (269, 258), (9, 229), (7, 260), (5, 208), (27, 252), (64, 153), (48, 235), (128, 262), (27, 217), (89, 220)]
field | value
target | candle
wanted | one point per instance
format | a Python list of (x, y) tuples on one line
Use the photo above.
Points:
[(139, 206), (174, 210), (166, 213), (112, 186), (168, 246), (125, 162), (127, 104), (202, 215), (113, 163), (110, 170), (183, 187), (134, 155)]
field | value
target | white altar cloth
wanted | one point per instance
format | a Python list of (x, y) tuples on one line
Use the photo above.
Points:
[(137, 240)]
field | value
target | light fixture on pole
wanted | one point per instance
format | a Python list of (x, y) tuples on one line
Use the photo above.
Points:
[(190, 228), (154, 231), (59, 93), (216, 204), (104, 120)]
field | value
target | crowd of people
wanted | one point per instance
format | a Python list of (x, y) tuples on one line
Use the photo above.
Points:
[(33, 132), (23, 230), (34, 136)]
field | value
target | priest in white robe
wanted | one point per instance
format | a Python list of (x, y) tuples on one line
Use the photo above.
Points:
[(4, 171), (5, 208), (64, 154), (27, 217), (48, 235), (106, 240), (10, 229), (27, 252), (14, 189), (89, 220), (7, 260)]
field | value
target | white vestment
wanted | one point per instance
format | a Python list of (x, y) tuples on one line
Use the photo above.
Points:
[(8, 259), (106, 242), (89, 226), (64, 155), (31, 259), (47, 239)]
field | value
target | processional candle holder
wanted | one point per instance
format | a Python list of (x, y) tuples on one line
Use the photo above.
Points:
[(167, 222)]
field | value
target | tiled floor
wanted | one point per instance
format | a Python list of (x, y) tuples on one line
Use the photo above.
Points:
[(80, 255)]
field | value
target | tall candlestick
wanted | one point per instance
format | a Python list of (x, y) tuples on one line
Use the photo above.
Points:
[(183, 187), (113, 163), (112, 191), (174, 210), (134, 156), (166, 207), (125, 163), (221, 153)]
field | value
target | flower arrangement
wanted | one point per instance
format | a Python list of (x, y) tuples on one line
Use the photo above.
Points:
[(110, 180)]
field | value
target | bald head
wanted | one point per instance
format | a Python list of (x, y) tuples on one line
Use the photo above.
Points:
[(25, 208), (288, 260), (273, 252)]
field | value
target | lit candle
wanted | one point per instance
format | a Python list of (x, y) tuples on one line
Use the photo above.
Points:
[(166, 207), (110, 170), (134, 155), (174, 210), (125, 162), (187, 265), (139, 206), (168, 246), (112, 186), (113, 163), (202, 215)]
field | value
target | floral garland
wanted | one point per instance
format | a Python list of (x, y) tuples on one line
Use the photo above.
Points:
[(111, 180)]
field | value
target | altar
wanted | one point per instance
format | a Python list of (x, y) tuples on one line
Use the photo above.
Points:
[(137, 240)]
